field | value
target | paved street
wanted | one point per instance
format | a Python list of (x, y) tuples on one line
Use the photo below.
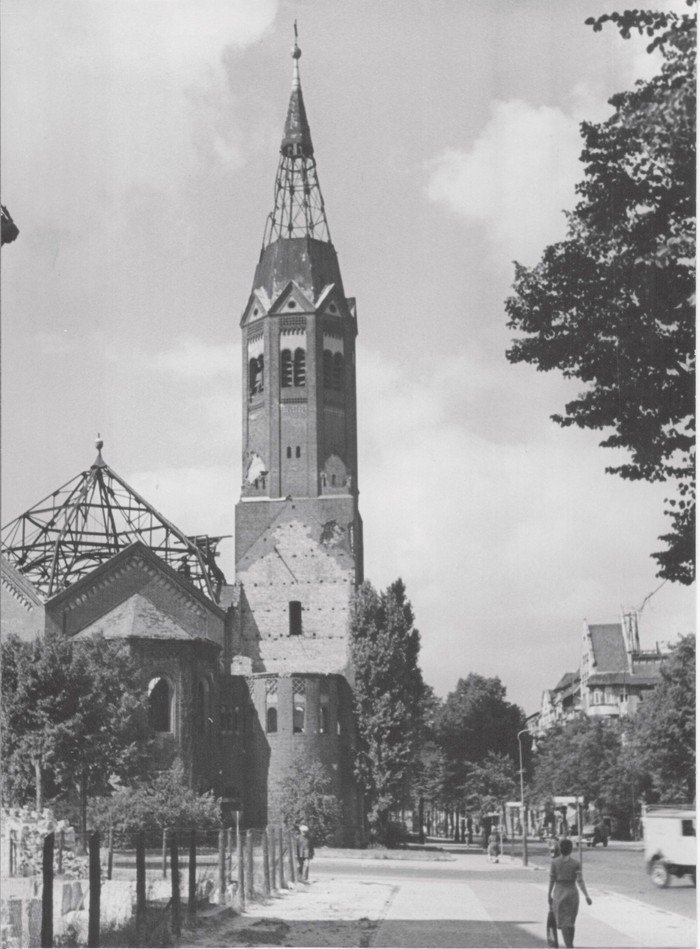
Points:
[(471, 902)]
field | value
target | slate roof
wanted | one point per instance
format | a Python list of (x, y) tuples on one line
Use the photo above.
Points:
[(137, 617), (608, 645), (568, 679)]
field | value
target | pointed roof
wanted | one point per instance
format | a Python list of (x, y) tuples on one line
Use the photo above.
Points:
[(297, 134), (299, 210), (87, 521)]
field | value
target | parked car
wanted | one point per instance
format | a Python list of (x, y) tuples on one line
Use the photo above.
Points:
[(593, 834), (669, 842)]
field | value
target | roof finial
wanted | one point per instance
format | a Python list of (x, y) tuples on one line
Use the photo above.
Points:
[(99, 462), (296, 54)]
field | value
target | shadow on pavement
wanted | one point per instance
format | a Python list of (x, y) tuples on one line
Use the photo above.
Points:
[(448, 933)]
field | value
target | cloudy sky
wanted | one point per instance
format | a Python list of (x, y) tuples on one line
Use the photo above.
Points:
[(139, 147)]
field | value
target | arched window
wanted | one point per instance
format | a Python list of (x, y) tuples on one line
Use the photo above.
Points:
[(338, 371), (202, 707), (286, 371), (324, 710), (297, 453), (160, 702), (289, 451), (327, 369), (299, 367), (295, 618), (255, 375), (271, 706), (299, 708)]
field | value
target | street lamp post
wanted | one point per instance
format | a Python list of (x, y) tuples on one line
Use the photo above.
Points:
[(523, 814)]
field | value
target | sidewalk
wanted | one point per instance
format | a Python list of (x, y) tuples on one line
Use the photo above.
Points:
[(492, 906), (502, 905)]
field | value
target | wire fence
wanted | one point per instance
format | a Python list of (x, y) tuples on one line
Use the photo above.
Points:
[(174, 871)]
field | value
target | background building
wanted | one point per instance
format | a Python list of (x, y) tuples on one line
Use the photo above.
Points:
[(614, 676)]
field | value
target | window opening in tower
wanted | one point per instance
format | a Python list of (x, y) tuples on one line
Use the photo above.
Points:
[(286, 369), (300, 367), (299, 706), (294, 618)]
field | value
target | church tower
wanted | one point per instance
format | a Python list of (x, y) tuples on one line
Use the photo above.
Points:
[(298, 527)]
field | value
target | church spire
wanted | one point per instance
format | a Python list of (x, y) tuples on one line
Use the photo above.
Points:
[(299, 210)]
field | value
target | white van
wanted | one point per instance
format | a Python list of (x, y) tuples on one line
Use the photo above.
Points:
[(669, 841)]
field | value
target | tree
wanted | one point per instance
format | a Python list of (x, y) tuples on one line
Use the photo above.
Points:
[(307, 799), (476, 719), (613, 304), (73, 714), (663, 731), (388, 696), (489, 783), (152, 804), (589, 757)]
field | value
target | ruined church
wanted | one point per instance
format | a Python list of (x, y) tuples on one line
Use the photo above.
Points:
[(243, 677)]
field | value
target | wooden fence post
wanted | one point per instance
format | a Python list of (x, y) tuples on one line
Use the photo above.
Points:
[(140, 878), (164, 853), (249, 865), (273, 856), (266, 863), (47, 892), (241, 872), (61, 844), (229, 853), (174, 885), (192, 878), (282, 880), (95, 885), (292, 856), (110, 852), (222, 868)]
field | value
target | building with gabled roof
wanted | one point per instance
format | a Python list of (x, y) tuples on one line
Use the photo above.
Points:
[(616, 674)]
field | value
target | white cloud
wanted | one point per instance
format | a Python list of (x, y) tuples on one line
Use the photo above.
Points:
[(492, 535), (516, 179), (196, 499), (188, 358), (128, 93)]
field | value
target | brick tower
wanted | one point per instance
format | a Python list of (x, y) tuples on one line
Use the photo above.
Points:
[(298, 527)]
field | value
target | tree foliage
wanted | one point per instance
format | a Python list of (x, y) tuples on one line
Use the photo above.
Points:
[(389, 696), (613, 304), (663, 731), (589, 757), (475, 720), (489, 783), (307, 799), (151, 804), (73, 713)]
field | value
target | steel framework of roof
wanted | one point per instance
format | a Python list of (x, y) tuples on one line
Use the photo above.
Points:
[(90, 519)]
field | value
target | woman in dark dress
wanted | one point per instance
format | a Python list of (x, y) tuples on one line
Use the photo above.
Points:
[(564, 875)]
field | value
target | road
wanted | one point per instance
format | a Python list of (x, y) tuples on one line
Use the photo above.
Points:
[(469, 902)]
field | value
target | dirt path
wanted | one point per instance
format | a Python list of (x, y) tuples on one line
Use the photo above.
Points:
[(329, 912)]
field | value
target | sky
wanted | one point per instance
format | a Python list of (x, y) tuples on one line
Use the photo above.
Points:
[(140, 141)]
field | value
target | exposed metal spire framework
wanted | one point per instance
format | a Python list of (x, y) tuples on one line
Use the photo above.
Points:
[(299, 210), (90, 519)]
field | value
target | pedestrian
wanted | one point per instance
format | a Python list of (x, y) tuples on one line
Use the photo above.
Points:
[(305, 852), (493, 848), (564, 875)]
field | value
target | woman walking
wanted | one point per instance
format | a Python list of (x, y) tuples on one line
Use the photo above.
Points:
[(564, 875)]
